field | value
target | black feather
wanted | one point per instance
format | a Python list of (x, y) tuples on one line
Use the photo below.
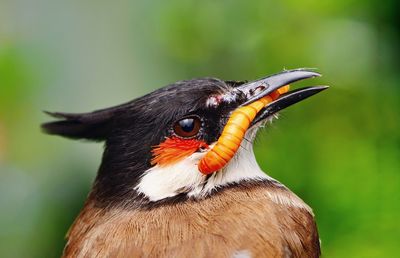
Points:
[(92, 126)]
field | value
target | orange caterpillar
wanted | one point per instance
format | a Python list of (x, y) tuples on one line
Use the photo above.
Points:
[(232, 135)]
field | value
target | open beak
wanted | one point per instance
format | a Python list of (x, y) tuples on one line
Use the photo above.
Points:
[(255, 90), (252, 111)]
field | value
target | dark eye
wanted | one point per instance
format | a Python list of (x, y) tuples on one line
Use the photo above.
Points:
[(187, 127)]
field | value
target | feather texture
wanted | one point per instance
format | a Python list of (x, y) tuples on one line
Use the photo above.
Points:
[(237, 218)]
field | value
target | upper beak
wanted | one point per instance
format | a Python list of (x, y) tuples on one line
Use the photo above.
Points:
[(257, 89)]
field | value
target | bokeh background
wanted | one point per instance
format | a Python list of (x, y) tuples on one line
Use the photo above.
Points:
[(339, 151)]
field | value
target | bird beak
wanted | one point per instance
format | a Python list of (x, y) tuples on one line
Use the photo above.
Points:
[(255, 90)]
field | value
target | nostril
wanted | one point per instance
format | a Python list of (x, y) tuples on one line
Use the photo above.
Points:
[(259, 89), (256, 90)]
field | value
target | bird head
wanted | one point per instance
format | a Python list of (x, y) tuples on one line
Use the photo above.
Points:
[(185, 140)]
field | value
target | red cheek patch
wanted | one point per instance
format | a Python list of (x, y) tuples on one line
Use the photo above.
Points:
[(175, 149)]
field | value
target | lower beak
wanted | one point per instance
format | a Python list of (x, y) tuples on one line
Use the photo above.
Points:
[(255, 90), (286, 100)]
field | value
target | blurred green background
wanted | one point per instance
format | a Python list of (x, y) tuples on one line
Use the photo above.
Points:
[(339, 151)]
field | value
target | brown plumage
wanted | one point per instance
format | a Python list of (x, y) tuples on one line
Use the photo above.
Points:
[(258, 219)]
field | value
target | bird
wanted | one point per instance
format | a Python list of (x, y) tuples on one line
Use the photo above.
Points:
[(179, 178)]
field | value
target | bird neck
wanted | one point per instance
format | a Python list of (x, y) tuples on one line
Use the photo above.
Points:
[(161, 182), (139, 184)]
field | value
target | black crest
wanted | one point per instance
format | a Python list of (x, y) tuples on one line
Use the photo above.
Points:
[(92, 126)]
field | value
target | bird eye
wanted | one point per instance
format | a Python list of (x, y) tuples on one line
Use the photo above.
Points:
[(187, 127)]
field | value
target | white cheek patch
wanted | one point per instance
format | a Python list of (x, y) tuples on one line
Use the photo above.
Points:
[(161, 182)]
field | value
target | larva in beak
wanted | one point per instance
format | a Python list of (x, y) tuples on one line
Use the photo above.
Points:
[(233, 133)]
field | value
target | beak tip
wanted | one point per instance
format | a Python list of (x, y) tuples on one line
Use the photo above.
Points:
[(322, 87), (276, 81), (307, 72), (306, 69)]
